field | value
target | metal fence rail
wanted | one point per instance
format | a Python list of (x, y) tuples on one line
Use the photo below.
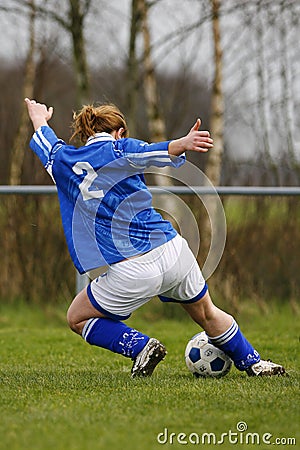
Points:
[(180, 190), (81, 280)]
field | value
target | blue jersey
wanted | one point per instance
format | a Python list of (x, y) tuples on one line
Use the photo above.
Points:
[(106, 208)]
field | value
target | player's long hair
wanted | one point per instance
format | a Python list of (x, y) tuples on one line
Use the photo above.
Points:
[(93, 119)]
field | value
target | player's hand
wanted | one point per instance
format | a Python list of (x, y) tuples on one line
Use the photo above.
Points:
[(39, 113), (195, 140), (198, 141)]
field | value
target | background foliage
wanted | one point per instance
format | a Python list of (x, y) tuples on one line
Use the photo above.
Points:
[(260, 262)]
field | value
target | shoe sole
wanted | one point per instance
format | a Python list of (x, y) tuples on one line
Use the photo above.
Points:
[(155, 356), (272, 371)]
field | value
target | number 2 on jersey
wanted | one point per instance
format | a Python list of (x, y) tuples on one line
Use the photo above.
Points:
[(88, 180)]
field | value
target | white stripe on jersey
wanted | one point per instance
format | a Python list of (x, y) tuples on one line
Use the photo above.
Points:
[(141, 164), (157, 153), (43, 140), (39, 143), (48, 167)]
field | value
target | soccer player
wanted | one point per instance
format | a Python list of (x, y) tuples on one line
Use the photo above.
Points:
[(108, 219)]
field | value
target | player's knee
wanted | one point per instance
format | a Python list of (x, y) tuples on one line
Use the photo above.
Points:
[(73, 321)]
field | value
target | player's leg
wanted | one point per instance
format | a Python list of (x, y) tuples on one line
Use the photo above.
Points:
[(211, 318), (106, 330), (223, 331), (221, 328), (80, 311)]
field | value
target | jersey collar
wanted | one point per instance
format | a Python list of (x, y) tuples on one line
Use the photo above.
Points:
[(98, 137)]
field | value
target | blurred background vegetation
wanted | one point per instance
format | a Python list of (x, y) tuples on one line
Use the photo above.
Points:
[(164, 63), (260, 263)]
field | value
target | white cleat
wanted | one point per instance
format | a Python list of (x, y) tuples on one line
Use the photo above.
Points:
[(148, 358), (265, 368)]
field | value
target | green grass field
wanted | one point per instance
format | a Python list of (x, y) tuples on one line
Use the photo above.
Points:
[(59, 393)]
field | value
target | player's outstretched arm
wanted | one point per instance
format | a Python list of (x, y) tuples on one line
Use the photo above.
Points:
[(38, 113), (195, 140)]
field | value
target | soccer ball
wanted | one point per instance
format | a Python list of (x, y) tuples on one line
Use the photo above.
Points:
[(204, 359)]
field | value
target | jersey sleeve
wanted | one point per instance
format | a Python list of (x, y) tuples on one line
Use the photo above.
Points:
[(140, 154), (45, 144)]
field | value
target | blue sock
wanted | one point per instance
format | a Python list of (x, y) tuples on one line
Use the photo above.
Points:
[(115, 336), (236, 346)]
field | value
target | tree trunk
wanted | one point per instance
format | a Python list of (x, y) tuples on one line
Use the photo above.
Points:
[(16, 205), (132, 68), (286, 98), (161, 176), (79, 54), (214, 163), (19, 145), (156, 122)]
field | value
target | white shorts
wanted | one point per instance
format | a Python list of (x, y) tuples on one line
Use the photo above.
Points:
[(169, 271)]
